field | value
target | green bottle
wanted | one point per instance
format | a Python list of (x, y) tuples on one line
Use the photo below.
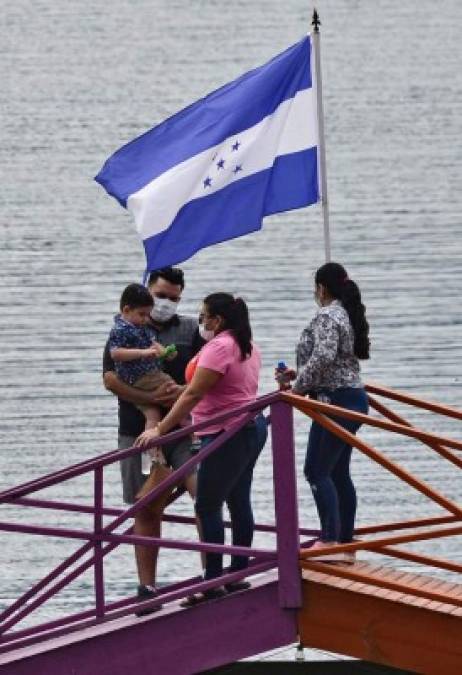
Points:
[(169, 350)]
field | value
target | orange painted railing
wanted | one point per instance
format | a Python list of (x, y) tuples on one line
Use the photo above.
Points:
[(422, 529)]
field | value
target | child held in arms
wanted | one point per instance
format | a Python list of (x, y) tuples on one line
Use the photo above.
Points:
[(136, 353)]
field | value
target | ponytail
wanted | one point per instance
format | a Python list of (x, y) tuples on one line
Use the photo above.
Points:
[(351, 300), (235, 315), (335, 278)]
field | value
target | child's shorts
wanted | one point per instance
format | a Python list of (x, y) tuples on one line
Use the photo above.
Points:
[(151, 382)]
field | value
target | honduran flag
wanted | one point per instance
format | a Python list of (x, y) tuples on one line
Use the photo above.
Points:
[(214, 170)]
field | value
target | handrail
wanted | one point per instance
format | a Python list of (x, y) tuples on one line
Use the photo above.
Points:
[(66, 533), (386, 412), (380, 458), (430, 561), (132, 510), (259, 527), (447, 410), (326, 415), (405, 524), (409, 589), (96, 539), (103, 539), (116, 455), (121, 608), (307, 404), (376, 544)]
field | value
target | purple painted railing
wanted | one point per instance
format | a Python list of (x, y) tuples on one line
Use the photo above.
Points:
[(102, 539)]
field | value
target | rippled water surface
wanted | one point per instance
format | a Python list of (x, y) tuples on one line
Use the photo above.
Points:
[(78, 80)]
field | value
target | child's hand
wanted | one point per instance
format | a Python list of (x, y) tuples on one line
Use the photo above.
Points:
[(283, 378), (156, 350)]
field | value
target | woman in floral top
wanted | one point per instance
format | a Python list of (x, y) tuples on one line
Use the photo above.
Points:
[(328, 369)]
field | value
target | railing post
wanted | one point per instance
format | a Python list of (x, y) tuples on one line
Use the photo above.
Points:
[(98, 526), (285, 505)]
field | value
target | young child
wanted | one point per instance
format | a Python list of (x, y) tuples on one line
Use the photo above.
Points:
[(136, 353)]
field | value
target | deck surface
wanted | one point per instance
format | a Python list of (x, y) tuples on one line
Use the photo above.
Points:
[(395, 626)]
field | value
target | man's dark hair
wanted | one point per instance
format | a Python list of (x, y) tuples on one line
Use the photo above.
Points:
[(136, 295), (172, 274)]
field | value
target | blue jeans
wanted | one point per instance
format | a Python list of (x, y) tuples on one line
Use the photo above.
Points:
[(327, 468), (225, 476)]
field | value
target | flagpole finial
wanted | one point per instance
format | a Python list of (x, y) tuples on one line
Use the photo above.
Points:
[(316, 22)]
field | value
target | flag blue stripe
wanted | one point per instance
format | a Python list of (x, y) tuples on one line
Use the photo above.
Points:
[(237, 209), (226, 112)]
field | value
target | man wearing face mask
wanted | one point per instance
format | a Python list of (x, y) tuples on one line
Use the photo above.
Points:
[(166, 287)]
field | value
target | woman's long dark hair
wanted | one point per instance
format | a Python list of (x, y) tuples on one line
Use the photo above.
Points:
[(235, 316), (335, 278)]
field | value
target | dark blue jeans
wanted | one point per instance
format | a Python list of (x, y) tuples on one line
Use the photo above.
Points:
[(226, 477), (327, 468)]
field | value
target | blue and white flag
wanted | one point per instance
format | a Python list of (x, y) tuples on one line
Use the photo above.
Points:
[(214, 170)]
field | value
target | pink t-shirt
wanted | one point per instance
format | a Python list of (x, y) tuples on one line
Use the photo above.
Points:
[(238, 385)]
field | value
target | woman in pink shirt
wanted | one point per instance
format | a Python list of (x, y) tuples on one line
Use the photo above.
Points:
[(225, 377)]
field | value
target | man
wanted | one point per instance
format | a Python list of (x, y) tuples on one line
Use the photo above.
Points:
[(166, 286)]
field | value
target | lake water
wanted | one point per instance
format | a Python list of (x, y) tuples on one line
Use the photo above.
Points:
[(79, 80)]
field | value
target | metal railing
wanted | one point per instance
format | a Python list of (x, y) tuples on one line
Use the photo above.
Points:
[(423, 529), (102, 539)]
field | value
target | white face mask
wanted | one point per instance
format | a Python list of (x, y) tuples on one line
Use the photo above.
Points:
[(205, 334), (163, 310)]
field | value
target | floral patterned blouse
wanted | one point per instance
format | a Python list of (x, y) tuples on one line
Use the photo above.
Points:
[(325, 353)]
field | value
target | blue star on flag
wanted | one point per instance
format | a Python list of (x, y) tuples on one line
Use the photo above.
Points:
[(235, 146), (237, 168), (207, 182)]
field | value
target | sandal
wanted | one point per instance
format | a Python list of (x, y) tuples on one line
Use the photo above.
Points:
[(319, 546), (190, 601), (235, 586), (147, 593), (211, 594)]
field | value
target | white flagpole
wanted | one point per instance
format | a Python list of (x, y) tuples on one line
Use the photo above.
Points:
[(321, 142)]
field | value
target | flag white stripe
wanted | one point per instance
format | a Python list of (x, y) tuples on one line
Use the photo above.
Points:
[(291, 128)]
